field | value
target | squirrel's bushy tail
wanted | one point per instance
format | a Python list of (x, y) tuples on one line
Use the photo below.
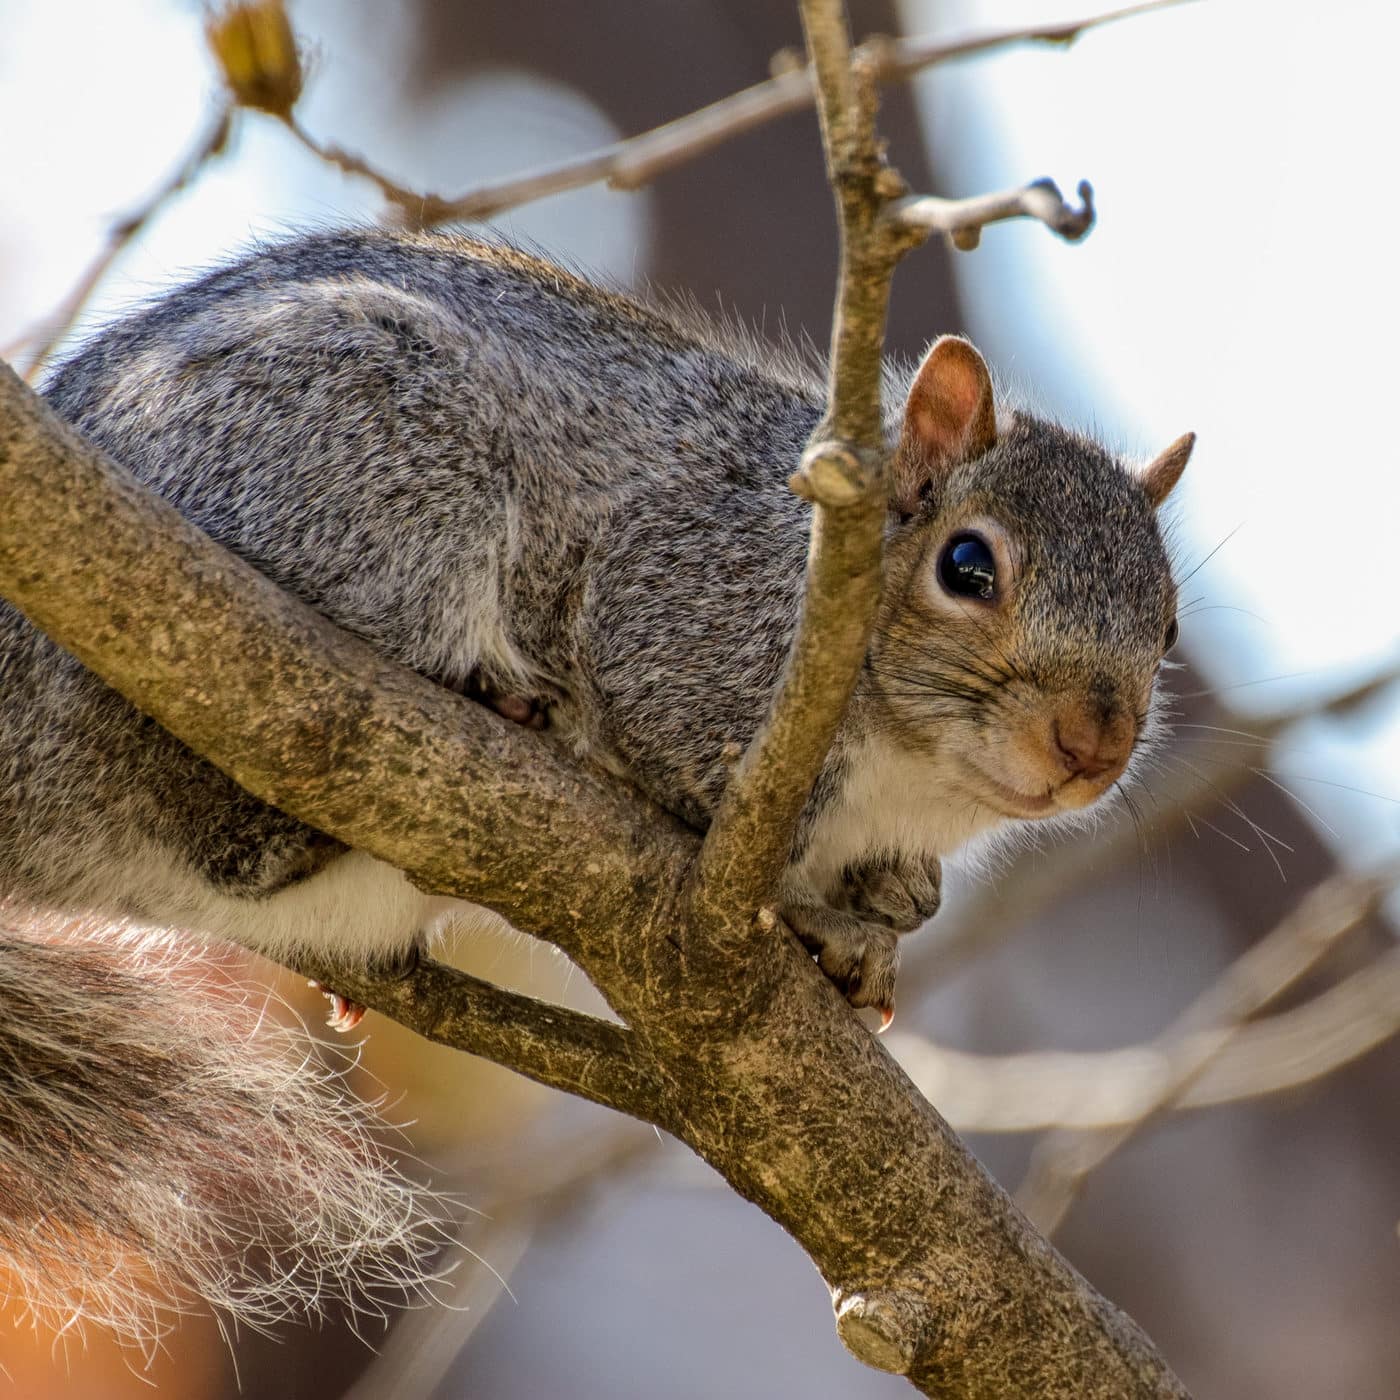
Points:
[(162, 1146)]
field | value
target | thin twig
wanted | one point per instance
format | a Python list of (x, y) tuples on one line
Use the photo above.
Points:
[(637, 160), (964, 219), (56, 325), (1062, 1161), (843, 468), (420, 208), (1084, 1090), (843, 475)]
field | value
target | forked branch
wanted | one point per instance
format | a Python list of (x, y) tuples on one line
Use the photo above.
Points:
[(636, 161)]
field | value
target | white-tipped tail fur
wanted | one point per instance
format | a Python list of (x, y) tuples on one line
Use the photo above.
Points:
[(163, 1146)]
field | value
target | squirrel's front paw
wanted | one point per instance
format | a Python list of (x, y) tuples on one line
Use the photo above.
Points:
[(902, 894), (861, 957)]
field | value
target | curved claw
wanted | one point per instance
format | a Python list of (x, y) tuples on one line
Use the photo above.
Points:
[(344, 1015)]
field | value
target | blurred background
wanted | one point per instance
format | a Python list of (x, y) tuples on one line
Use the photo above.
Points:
[(1241, 283)]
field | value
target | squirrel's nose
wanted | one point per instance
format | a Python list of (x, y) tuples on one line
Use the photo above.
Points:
[(1091, 745)]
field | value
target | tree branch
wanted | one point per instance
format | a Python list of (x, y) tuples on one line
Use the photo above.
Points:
[(212, 142), (636, 161), (353, 745), (553, 1045), (843, 475), (1084, 1090), (964, 219), (935, 1272)]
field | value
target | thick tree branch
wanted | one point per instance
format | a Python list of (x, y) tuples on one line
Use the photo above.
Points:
[(935, 1272), (363, 749)]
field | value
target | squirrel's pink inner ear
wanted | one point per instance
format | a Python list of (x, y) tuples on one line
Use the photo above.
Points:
[(949, 417), (1164, 471)]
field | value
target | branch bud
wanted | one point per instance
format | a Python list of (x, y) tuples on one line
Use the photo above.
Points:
[(256, 51)]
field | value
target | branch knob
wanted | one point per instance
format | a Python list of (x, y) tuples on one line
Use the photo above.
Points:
[(880, 1328)]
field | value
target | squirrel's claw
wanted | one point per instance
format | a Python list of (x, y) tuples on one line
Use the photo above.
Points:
[(344, 1015)]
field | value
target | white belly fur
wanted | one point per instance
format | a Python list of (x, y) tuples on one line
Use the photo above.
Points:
[(357, 907), (891, 802)]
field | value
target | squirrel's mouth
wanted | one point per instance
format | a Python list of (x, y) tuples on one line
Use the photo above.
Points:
[(1010, 801)]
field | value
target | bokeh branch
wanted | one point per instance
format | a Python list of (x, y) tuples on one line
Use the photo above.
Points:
[(42, 340), (629, 164), (1063, 1160), (1040, 1090), (258, 54)]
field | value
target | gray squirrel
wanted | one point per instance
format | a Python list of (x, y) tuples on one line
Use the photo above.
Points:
[(574, 506)]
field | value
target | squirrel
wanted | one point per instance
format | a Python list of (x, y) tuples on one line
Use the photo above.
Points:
[(573, 505)]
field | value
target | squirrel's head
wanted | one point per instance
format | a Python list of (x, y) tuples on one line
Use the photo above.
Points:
[(1029, 601)]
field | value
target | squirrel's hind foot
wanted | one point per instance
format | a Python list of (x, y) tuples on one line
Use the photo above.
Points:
[(528, 711), (345, 1015)]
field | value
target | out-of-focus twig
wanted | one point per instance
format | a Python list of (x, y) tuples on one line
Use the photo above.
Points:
[(1063, 1160), (631, 163), (1083, 1090), (59, 322)]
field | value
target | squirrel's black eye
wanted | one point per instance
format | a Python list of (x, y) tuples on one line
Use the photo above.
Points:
[(967, 569), (1169, 641)]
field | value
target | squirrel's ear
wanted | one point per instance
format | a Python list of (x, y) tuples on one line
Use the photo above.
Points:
[(949, 417), (1164, 470)]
